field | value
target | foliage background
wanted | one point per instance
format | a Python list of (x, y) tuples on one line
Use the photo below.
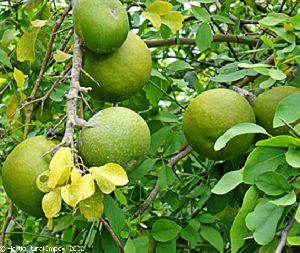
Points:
[(207, 52)]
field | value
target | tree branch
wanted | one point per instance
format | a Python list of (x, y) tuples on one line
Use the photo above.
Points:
[(284, 233), (171, 163), (6, 223), (43, 69), (112, 233), (187, 41)]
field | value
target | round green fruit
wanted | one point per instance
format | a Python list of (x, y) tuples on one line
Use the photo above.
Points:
[(119, 135), (101, 24), (265, 108), (210, 115), (20, 171), (120, 74)]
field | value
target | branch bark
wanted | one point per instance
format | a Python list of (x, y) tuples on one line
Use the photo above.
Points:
[(6, 223), (187, 41), (171, 163)]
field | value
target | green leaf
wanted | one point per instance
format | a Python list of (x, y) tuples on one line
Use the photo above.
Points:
[(293, 240), (154, 18), (173, 19), (288, 110), (62, 223), (239, 230), (26, 46), (204, 37), (92, 207), (207, 1), (286, 200), (189, 233), (165, 177), (5, 59), (179, 65), (164, 230), (201, 14), (260, 160), (142, 243), (213, 236), (263, 222), (284, 141), (274, 19), (228, 182), (297, 216), (60, 56), (267, 83), (231, 77), (293, 157), (166, 247), (223, 19), (129, 247), (277, 74), (239, 129), (252, 66), (272, 183), (142, 170)]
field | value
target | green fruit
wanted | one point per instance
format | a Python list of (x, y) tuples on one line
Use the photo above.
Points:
[(119, 135), (20, 171), (265, 108), (120, 74), (101, 24), (210, 115)]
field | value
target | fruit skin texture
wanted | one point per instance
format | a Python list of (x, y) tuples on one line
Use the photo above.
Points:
[(120, 74), (210, 115), (120, 135), (265, 108), (20, 171), (101, 24)]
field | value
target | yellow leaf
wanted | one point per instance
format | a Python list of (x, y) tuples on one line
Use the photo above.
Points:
[(154, 18), (2, 82), (104, 184), (71, 194), (8, 36), (112, 172), (39, 23), (12, 106), (159, 7), (92, 208), (173, 19), (51, 204), (50, 224), (61, 56), (26, 45), (75, 176), (87, 185), (60, 167), (41, 181), (288, 27), (19, 77)]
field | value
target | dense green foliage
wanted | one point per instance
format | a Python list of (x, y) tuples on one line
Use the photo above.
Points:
[(202, 205)]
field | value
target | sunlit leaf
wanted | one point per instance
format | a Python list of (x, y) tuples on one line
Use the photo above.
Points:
[(154, 18), (51, 203), (104, 184), (87, 185), (173, 19), (39, 23), (41, 181), (61, 56), (92, 208), (71, 194), (60, 167), (8, 36), (12, 106), (4, 58), (75, 176), (26, 46), (19, 77), (159, 7)]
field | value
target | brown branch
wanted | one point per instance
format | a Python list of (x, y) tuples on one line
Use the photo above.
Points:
[(284, 233), (171, 163), (244, 93), (187, 41), (43, 69), (112, 233), (6, 223)]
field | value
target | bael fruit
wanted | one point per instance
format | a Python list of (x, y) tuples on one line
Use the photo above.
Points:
[(210, 115), (101, 24), (20, 170), (119, 135), (120, 74), (265, 108)]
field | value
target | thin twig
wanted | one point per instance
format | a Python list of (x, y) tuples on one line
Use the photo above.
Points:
[(284, 233), (216, 38), (43, 69), (112, 233), (291, 128), (6, 223), (171, 163)]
